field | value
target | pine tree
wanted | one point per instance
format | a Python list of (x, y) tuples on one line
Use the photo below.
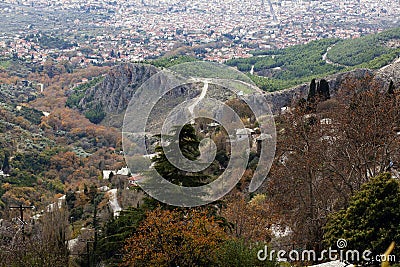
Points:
[(371, 220), (189, 146)]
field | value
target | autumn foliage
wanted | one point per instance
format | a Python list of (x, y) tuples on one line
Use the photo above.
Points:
[(250, 221), (174, 238), (325, 155)]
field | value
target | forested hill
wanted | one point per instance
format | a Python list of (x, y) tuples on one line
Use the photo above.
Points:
[(105, 98), (274, 70)]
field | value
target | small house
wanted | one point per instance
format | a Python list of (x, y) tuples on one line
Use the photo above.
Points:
[(242, 134), (124, 171), (108, 174), (134, 179)]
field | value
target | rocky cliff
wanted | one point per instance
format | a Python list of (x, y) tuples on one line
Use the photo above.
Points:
[(116, 90), (121, 83), (359, 79), (390, 72), (118, 87)]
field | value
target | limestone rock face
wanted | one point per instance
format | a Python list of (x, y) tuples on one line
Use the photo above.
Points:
[(391, 72), (361, 79), (116, 90), (118, 87), (121, 83)]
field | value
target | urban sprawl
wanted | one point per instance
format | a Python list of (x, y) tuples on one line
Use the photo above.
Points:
[(97, 31)]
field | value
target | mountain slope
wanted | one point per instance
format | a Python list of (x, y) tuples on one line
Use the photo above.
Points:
[(279, 69)]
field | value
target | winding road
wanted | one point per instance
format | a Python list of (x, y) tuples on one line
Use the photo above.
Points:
[(201, 97), (326, 59)]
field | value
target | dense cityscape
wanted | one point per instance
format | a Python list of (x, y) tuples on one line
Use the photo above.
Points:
[(99, 32)]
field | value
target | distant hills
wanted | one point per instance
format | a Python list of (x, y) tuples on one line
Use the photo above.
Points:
[(104, 99), (274, 70)]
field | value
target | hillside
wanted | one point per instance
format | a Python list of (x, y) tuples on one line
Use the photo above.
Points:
[(362, 79), (70, 154), (274, 70), (105, 99), (370, 51), (32, 139), (113, 91)]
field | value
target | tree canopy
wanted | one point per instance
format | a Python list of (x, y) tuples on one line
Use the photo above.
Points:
[(189, 146), (371, 220)]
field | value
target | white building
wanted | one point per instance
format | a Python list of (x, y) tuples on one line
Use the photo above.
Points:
[(242, 134), (125, 171), (107, 174)]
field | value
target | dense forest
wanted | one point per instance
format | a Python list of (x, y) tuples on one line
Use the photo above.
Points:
[(279, 69), (370, 51)]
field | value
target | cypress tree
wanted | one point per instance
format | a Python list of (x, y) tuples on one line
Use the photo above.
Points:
[(323, 90), (6, 164), (312, 91), (391, 88)]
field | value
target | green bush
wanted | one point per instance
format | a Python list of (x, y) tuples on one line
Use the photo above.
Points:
[(30, 114), (96, 114), (371, 220), (235, 253), (79, 92)]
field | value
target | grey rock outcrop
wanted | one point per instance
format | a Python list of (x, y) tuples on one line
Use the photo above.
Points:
[(118, 87), (390, 72), (121, 83), (363, 79)]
